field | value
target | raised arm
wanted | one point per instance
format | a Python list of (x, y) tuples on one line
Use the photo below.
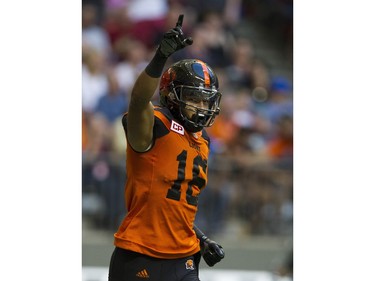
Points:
[(140, 114)]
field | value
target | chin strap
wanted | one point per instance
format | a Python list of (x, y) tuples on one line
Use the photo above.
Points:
[(191, 128)]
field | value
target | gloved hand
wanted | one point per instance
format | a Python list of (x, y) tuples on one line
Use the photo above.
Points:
[(211, 251), (174, 40)]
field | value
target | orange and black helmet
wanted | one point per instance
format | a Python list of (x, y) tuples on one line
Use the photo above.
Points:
[(191, 79)]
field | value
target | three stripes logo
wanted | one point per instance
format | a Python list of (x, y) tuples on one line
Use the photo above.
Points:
[(143, 274)]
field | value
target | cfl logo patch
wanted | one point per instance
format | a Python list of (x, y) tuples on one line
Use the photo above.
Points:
[(189, 264), (175, 127)]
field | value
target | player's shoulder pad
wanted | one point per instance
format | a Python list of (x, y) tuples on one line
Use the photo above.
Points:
[(165, 111), (159, 128)]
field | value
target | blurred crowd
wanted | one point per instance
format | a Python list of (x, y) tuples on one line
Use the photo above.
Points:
[(251, 164)]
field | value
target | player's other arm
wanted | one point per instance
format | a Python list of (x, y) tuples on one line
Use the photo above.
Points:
[(211, 251), (140, 113)]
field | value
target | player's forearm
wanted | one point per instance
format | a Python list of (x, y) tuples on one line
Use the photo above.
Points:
[(143, 90), (200, 235), (147, 82), (140, 119)]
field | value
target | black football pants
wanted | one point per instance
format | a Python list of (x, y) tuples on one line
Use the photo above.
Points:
[(130, 266)]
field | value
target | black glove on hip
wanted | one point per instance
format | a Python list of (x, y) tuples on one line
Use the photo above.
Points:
[(212, 252)]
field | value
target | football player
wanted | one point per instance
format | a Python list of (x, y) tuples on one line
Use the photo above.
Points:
[(167, 161)]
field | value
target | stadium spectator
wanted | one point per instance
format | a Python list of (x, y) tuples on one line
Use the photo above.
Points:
[(94, 79), (132, 56), (220, 41), (117, 23), (239, 71), (280, 147), (148, 18), (93, 35), (115, 102)]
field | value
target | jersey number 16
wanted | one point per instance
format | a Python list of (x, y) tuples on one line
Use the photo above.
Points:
[(174, 192)]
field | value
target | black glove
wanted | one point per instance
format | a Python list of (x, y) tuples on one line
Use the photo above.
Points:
[(211, 251), (174, 40)]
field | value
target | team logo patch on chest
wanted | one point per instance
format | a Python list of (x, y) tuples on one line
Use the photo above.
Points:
[(179, 129), (189, 264)]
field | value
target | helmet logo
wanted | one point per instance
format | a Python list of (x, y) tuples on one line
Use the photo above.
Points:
[(175, 127), (167, 78)]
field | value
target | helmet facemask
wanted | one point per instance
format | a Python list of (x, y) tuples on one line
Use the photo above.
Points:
[(198, 106), (189, 89)]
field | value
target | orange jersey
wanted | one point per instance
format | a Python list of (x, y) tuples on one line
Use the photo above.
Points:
[(162, 191)]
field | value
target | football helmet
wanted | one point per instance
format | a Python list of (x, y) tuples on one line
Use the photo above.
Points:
[(189, 88)]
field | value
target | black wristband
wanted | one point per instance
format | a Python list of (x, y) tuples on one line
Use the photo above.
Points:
[(156, 65), (202, 240)]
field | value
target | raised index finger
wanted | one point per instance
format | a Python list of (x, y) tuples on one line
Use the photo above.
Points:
[(179, 21)]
